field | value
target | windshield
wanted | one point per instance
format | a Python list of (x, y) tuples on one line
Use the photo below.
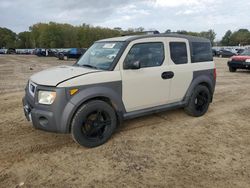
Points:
[(100, 55), (246, 52)]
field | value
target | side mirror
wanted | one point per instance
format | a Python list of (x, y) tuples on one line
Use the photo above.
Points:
[(134, 65)]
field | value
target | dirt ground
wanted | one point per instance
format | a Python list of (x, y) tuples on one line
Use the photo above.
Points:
[(169, 149)]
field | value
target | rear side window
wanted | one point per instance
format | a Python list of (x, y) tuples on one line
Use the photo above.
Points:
[(149, 54), (178, 52), (201, 52)]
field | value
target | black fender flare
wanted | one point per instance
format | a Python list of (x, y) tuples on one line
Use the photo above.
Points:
[(204, 79), (114, 96)]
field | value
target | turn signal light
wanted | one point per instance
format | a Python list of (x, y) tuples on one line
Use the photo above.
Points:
[(73, 91)]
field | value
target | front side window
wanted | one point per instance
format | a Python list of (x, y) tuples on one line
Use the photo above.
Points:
[(148, 54), (100, 55), (178, 52)]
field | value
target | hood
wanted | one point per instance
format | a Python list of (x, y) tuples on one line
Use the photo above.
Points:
[(240, 58), (56, 75)]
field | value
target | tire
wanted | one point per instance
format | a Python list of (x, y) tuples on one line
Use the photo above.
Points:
[(199, 101), (231, 69), (93, 124), (61, 56)]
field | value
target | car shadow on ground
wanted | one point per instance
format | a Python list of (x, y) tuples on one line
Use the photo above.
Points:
[(243, 71)]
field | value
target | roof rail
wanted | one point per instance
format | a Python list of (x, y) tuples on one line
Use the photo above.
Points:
[(155, 32)]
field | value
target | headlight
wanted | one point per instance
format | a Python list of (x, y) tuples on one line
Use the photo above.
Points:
[(46, 97)]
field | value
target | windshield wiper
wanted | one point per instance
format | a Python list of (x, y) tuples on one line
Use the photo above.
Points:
[(90, 66)]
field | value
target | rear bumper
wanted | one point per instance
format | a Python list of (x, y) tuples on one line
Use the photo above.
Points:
[(239, 65), (52, 118)]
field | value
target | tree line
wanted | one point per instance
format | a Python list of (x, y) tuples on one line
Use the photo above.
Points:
[(210, 34), (237, 38), (56, 35)]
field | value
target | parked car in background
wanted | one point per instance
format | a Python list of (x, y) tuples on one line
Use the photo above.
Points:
[(239, 51), (74, 53), (24, 51), (225, 53), (61, 52), (40, 52), (215, 52), (45, 52), (57, 51), (241, 61), (3, 51), (11, 51)]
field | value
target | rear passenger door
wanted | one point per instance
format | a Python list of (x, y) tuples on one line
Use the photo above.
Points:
[(180, 65)]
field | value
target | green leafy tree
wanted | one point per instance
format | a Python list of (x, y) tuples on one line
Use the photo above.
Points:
[(54, 35), (240, 37), (226, 39), (24, 40), (7, 38), (210, 34), (168, 31)]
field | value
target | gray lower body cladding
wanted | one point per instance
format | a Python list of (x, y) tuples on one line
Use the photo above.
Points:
[(48, 117), (57, 117), (153, 110), (205, 77)]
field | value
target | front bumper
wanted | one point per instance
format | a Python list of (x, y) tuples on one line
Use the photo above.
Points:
[(239, 64), (40, 119), (52, 118)]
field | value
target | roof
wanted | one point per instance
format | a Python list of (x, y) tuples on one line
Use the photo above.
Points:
[(124, 38), (135, 37)]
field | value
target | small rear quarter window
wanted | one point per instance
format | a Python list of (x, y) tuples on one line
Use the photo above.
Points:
[(201, 52)]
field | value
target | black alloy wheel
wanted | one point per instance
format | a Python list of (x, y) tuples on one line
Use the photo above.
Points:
[(94, 123), (199, 101)]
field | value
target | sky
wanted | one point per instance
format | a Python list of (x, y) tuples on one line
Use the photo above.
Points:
[(190, 15)]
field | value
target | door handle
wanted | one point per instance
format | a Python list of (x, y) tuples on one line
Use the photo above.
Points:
[(167, 75)]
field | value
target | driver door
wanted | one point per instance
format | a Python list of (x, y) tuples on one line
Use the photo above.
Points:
[(147, 86)]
